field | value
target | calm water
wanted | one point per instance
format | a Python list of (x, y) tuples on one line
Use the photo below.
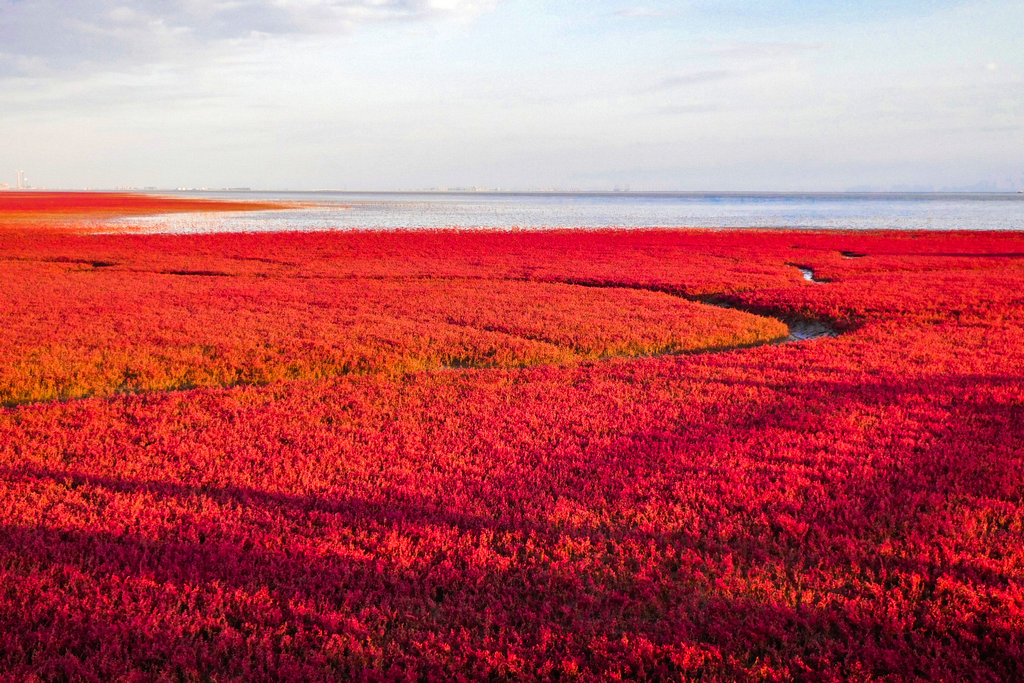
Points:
[(349, 210)]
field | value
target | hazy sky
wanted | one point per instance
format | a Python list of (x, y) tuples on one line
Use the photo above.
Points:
[(378, 94)]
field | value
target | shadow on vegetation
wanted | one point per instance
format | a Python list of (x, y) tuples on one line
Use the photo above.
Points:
[(689, 590)]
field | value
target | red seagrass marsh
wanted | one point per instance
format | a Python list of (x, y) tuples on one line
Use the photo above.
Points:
[(482, 454)]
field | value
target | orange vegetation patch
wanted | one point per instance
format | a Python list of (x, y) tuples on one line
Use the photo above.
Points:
[(23, 210), (70, 329)]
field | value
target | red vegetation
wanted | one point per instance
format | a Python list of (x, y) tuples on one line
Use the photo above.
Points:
[(838, 509), (64, 332), (32, 210)]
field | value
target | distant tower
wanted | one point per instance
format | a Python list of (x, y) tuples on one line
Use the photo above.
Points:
[(21, 180)]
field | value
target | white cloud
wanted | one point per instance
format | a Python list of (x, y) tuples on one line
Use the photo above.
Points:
[(694, 78), (51, 36), (750, 50), (643, 13)]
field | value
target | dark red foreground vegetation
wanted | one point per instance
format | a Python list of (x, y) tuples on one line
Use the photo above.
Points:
[(837, 509)]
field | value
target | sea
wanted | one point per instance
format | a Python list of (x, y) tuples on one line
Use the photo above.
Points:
[(332, 210)]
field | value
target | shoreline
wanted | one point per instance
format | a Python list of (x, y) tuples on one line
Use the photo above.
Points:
[(524, 211)]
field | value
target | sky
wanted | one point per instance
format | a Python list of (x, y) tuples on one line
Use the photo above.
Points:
[(513, 94)]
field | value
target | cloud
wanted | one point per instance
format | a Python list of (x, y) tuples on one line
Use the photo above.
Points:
[(695, 77), (750, 50), (643, 12), (683, 109), (51, 36)]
